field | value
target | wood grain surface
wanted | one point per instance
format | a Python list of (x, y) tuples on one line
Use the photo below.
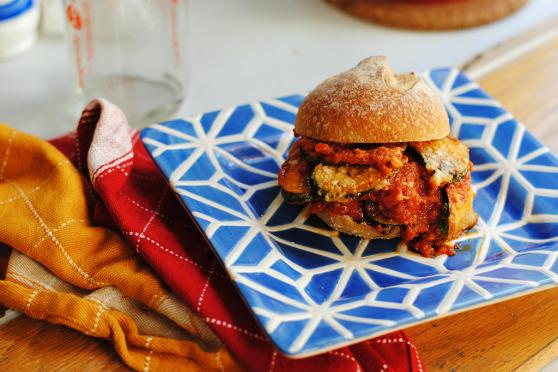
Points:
[(523, 332), (500, 337), (519, 333), (527, 85), (32, 345)]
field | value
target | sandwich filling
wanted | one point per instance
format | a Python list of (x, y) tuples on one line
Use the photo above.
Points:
[(420, 191)]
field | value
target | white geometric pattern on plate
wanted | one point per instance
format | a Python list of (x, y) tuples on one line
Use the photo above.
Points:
[(312, 290)]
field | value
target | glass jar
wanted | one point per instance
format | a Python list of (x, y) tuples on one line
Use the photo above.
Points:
[(131, 52)]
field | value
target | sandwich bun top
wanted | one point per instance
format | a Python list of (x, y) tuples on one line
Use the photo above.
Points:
[(371, 104)]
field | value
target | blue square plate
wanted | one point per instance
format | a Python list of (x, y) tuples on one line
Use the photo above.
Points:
[(313, 291)]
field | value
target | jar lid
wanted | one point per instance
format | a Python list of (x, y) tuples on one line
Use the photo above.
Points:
[(12, 8)]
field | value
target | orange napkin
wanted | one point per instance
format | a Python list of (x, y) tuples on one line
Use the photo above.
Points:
[(66, 270)]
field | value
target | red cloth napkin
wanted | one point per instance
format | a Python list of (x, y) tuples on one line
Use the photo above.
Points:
[(135, 199)]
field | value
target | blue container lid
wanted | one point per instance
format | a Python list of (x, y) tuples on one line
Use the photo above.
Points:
[(13, 8)]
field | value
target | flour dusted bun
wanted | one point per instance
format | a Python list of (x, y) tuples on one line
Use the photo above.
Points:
[(347, 225), (371, 104)]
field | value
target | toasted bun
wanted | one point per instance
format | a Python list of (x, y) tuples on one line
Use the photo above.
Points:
[(347, 225), (371, 104)]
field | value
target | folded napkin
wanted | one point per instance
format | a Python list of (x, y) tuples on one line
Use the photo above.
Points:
[(140, 203), (67, 269), (4, 256), (136, 200)]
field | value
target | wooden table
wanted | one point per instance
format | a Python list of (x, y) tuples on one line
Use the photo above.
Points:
[(521, 333), (516, 334)]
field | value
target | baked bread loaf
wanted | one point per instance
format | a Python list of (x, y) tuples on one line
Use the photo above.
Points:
[(371, 104)]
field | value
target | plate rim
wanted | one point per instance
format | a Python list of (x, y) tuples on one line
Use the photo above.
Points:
[(283, 349)]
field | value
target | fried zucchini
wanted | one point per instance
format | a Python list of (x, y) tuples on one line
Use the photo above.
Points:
[(447, 158), (343, 183), (294, 179), (444, 219), (461, 215), (297, 198)]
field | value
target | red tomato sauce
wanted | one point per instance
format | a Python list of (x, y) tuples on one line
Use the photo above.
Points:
[(382, 157), (410, 200), (351, 209)]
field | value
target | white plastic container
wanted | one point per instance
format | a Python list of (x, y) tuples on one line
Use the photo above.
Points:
[(18, 26)]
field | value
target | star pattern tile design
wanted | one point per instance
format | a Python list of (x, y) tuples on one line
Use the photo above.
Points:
[(312, 290)]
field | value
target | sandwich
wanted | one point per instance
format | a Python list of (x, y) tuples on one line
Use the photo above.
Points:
[(374, 158)]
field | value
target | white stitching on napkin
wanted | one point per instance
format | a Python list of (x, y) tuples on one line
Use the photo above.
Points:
[(54, 239), (38, 187), (7, 154), (157, 213), (348, 357), (64, 224), (273, 359), (100, 310), (147, 362), (204, 289), (235, 328), (31, 298), (170, 251)]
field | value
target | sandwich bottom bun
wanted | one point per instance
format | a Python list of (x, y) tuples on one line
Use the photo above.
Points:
[(347, 225)]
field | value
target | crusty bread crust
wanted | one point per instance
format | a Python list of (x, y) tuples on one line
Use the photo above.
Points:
[(347, 225), (430, 16), (371, 104)]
